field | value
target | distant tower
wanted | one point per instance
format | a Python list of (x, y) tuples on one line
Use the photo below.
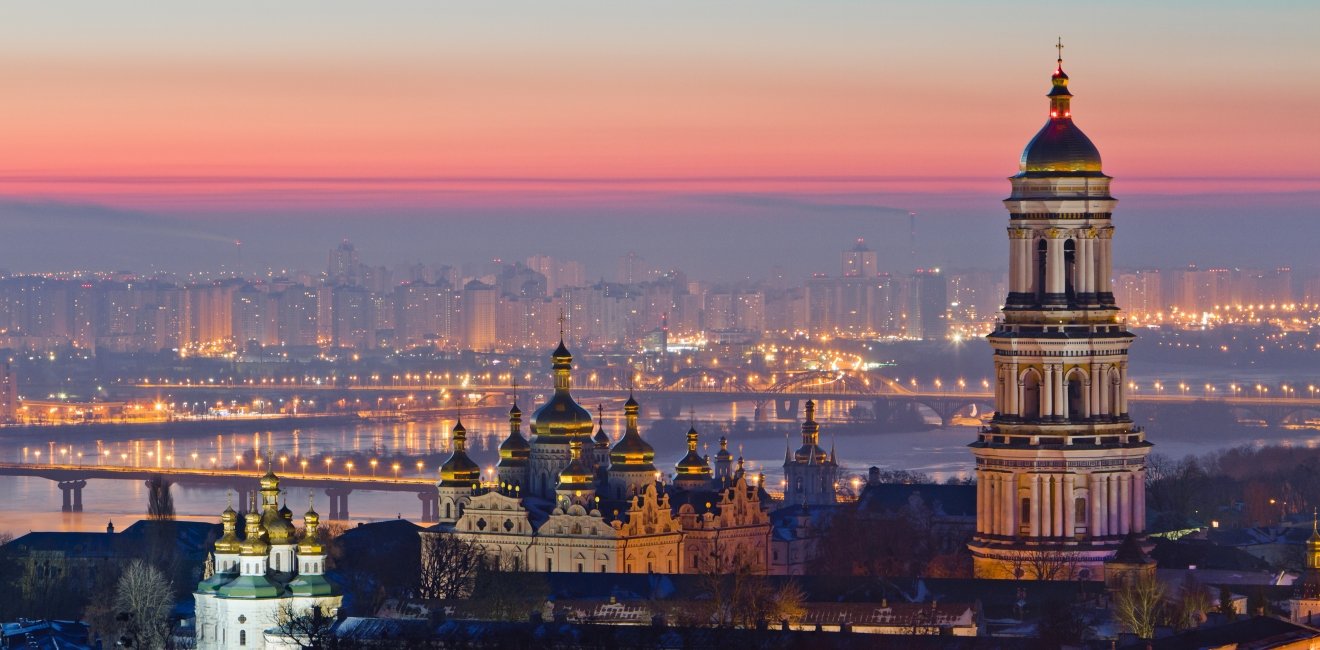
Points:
[(577, 483), (1061, 468), (810, 472), (555, 424)]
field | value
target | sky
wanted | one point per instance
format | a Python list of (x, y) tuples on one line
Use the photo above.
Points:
[(719, 137)]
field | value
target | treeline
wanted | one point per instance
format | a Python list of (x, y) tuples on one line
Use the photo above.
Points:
[(1242, 486)]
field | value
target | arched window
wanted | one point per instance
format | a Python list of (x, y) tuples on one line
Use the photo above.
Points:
[(1076, 395), (277, 561), (1031, 394), (242, 637)]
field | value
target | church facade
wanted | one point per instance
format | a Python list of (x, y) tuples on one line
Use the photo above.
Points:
[(568, 500), (1061, 468), (253, 583)]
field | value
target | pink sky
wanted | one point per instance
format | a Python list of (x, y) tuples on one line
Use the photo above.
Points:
[(195, 106)]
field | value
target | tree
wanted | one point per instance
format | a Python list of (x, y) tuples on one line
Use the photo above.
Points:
[(1042, 563), (450, 565), (502, 595), (310, 629), (1061, 624), (143, 599), (1227, 607), (741, 596), (1138, 605), (160, 503)]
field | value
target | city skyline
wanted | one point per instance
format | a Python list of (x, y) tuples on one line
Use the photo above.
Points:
[(788, 128)]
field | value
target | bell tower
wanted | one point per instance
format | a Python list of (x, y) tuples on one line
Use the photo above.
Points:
[(1061, 468)]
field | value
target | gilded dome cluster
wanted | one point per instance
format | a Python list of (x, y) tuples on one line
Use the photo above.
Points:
[(631, 453)]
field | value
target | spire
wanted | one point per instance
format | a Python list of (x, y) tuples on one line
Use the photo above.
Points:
[(788, 450), (1059, 95), (460, 436), (810, 430)]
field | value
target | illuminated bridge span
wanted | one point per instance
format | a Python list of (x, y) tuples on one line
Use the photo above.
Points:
[(671, 394), (73, 478)]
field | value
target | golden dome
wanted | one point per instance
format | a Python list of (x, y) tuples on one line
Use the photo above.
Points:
[(459, 470), (561, 418), (311, 541), (631, 453), (515, 450), (278, 529), (254, 542), (228, 542), (576, 476), (1060, 148), (693, 464)]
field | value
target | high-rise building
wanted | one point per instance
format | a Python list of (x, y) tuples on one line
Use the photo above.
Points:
[(1061, 468), (8, 393), (859, 261), (344, 267), (928, 306), (479, 310)]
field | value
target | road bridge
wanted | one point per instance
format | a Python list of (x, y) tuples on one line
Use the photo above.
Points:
[(72, 479), (782, 398)]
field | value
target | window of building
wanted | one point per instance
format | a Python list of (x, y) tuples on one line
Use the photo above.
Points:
[(1079, 510), (242, 637), (1026, 509)]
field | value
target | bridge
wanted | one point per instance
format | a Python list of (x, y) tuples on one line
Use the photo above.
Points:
[(72, 479), (674, 392)]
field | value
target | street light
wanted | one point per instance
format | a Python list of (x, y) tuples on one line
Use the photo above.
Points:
[(303, 462), (396, 470), (373, 466), (349, 465), (328, 462), (419, 467)]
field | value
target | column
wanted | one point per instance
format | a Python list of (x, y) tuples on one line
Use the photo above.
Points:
[(1010, 505), (1106, 407), (1014, 389), (1060, 506), (1047, 391), (1035, 505), (1082, 263), (1099, 521), (1106, 261), (1125, 498), (1014, 278), (1096, 408), (982, 492), (991, 511), (1053, 265), (1060, 397), (1113, 504), (1025, 274), (1139, 502), (1069, 510), (77, 495), (1122, 406)]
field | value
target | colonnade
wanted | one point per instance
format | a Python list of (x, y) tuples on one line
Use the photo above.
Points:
[(1093, 262), (1103, 393), (1040, 504)]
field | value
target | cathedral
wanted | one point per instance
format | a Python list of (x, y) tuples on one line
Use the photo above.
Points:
[(252, 583), (568, 500), (1061, 468)]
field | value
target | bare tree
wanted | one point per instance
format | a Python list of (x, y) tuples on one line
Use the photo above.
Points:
[(310, 629), (741, 596), (504, 595), (1138, 605), (160, 503), (1046, 564), (449, 566), (143, 599)]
